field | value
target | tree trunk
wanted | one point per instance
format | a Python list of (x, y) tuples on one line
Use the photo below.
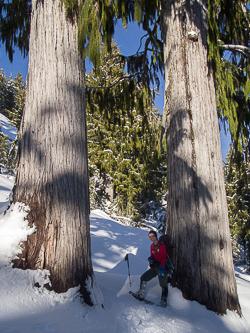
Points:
[(197, 215), (52, 175)]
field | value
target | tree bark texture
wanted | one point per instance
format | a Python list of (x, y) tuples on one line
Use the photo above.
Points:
[(52, 175), (197, 215)]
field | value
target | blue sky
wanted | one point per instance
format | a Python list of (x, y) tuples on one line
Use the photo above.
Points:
[(128, 42)]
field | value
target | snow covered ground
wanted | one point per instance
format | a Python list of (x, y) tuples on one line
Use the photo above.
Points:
[(25, 308), (6, 128)]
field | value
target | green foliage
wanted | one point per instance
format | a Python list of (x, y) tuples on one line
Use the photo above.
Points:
[(3, 148), (15, 25), (237, 180), (228, 25), (96, 25), (12, 98), (8, 152), (6, 93), (18, 94), (229, 29), (121, 145)]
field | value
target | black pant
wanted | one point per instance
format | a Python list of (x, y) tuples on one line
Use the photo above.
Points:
[(152, 273)]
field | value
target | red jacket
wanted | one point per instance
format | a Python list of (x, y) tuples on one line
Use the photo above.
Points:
[(158, 253)]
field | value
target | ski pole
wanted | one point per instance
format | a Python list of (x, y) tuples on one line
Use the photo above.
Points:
[(170, 261), (126, 259)]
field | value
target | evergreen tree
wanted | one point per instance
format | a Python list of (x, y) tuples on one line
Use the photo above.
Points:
[(15, 18), (12, 97), (237, 180), (7, 92), (229, 52), (227, 38), (196, 201), (15, 113), (52, 172), (3, 81), (194, 166), (4, 149), (121, 145)]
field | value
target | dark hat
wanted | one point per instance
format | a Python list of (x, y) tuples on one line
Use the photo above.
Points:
[(153, 232)]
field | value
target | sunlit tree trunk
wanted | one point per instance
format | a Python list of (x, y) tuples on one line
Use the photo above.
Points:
[(52, 175), (197, 215)]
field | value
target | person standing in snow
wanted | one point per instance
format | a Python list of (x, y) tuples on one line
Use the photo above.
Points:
[(157, 262)]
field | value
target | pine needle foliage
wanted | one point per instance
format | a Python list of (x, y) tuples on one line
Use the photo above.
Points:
[(12, 99), (16, 111), (96, 25), (237, 180), (122, 146), (229, 53), (8, 152), (15, 25), (6, 93), (228, 39)]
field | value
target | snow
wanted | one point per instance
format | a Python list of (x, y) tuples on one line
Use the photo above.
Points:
[(6, 183), (25, 308), (6, 128)]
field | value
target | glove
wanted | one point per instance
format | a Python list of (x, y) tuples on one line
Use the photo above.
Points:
[(151, 260), (161, 271)]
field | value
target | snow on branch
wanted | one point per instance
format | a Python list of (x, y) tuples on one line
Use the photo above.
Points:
[(240, 48), (115, 82)]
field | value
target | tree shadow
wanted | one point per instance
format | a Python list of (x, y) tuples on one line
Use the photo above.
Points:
[(184, 175), (203, 261), (52, 179)]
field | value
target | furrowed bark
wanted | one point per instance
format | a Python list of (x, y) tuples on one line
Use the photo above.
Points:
[(197, 215), (52, 174)]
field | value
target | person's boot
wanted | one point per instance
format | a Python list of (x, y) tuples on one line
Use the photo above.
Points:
[(141, 292), (164, 295)]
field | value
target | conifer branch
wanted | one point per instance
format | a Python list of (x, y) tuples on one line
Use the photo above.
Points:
[(141, 43), (114, 83), (245, 10), (240, 48)]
